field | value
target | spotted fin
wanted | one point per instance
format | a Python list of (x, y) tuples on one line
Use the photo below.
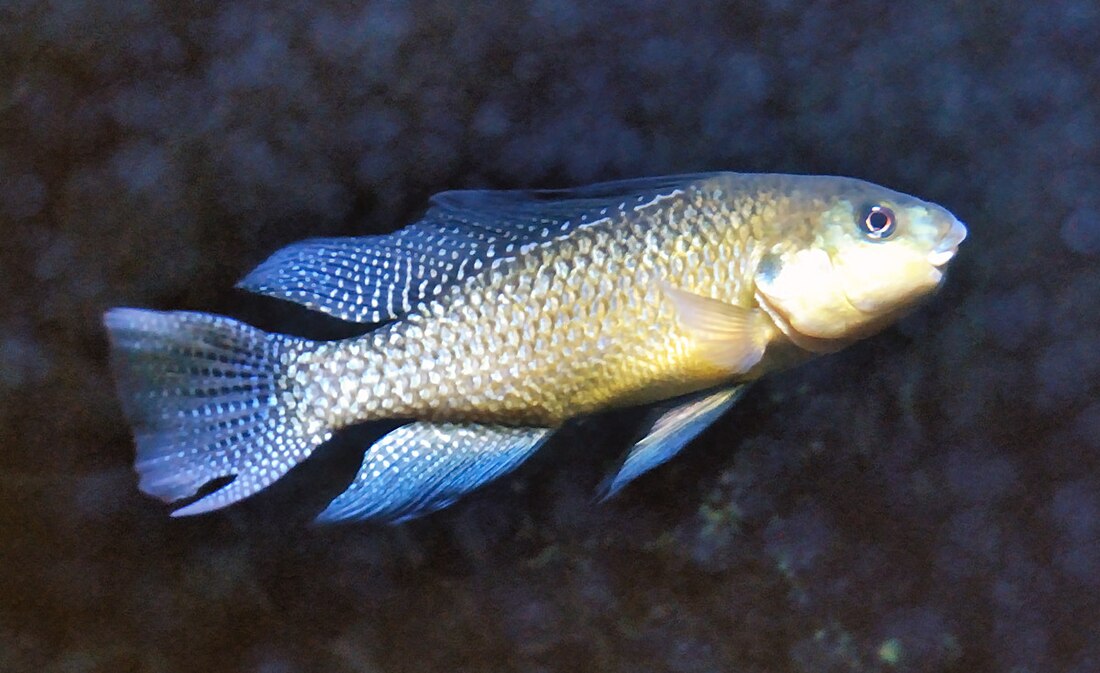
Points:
[(377, 278), (422, 467), (373, 278), (207, 399), (670, 432), (730, 337)]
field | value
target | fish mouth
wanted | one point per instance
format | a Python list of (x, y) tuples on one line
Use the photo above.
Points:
[(949, 245)]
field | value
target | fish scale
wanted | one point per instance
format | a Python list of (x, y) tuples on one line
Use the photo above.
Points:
[(512, 312), (566, 374)]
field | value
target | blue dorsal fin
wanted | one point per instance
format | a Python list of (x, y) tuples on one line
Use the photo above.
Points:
[(422, 467), (377, 278), (526, 213), (368, 278)]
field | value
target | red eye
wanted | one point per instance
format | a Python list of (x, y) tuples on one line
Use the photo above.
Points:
[(878, 223)]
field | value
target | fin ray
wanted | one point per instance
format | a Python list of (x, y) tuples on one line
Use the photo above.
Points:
[(203, 394), (670, 432), (371, 279), (731, 337), (422, 467), (535, 215)]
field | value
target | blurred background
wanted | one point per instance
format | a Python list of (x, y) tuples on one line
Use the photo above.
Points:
[(928, 500)]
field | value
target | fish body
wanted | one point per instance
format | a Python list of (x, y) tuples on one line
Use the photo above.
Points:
[(512, 312), (577, 324)]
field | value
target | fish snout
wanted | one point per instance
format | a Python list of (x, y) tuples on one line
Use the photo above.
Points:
[(948, 245)]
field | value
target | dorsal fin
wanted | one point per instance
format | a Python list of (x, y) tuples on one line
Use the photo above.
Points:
[(377, 278), (527, 212), (368, 278)]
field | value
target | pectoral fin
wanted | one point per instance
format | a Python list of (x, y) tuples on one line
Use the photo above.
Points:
[(670, 432), (730, 337), (422, 467)]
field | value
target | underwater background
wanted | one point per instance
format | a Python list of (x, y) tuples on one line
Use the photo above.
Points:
[(927, 500)]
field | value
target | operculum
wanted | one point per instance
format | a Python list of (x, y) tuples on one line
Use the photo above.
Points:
[(802, 294)]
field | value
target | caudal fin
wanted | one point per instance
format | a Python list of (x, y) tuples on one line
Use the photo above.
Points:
[(207, 399)]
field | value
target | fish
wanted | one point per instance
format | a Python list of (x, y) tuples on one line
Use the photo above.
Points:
[(499, 316)]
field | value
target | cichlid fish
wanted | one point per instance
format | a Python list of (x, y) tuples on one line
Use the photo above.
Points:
[(509, 312)]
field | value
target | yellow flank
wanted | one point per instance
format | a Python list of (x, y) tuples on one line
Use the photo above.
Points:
[(573, 326), (580, 323)]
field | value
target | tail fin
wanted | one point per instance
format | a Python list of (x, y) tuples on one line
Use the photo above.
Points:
[(207, 399)]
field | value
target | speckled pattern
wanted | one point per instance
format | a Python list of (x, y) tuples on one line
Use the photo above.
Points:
[(566, 329), (207, 399), (581, 321), (421, 467)]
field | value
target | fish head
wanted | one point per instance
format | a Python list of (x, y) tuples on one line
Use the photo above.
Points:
[(863, 255)]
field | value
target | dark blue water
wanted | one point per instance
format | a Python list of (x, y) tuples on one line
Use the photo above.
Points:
[(927, 500)]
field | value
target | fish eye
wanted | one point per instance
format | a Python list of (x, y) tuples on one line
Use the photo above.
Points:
[(878, 223)]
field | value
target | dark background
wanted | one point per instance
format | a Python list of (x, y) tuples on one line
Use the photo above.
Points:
[(928, 500)]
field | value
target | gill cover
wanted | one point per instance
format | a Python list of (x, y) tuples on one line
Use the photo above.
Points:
[(801, 292)]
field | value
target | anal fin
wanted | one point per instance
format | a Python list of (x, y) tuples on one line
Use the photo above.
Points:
[(423, 467), (670, 432)]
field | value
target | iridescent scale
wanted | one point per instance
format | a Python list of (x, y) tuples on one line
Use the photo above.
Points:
[(577, 323)]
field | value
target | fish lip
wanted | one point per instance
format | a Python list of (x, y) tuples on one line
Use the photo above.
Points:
[(949, 245), (941, 257)]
